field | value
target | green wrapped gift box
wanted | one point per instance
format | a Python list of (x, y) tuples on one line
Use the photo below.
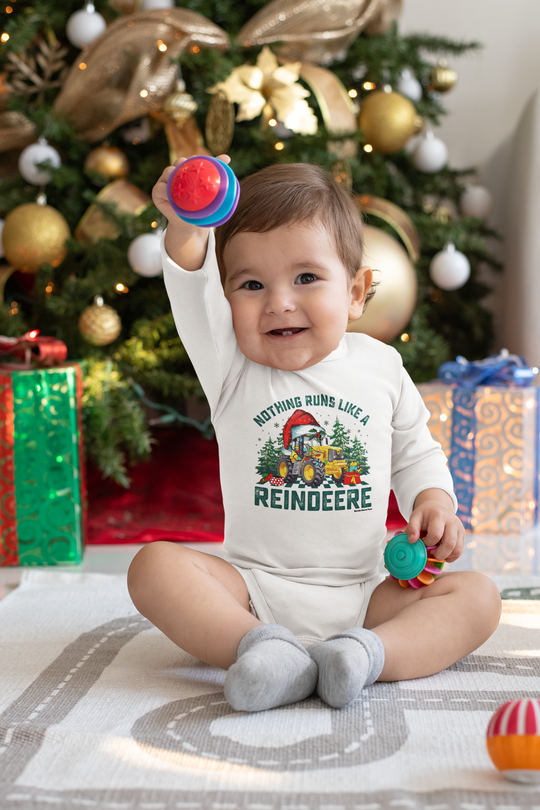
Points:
[(42, 480)]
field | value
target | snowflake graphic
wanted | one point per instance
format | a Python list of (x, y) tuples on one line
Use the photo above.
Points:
[(276, 424), (326, 423)]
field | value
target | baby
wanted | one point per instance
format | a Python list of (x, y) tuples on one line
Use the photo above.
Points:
[(314, 427)]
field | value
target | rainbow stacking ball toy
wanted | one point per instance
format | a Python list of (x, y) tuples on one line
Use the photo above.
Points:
[(203, 191), (513, 740), (410, 563)]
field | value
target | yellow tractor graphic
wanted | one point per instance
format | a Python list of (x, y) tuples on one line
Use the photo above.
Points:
[(313, 461)]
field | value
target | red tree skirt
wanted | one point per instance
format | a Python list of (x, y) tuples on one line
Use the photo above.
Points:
[(174, 496)]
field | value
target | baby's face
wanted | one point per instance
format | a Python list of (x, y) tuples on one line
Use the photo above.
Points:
[(290, 295)]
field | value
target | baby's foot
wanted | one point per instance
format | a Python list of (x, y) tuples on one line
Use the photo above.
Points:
[(272, 669), (347, 662)]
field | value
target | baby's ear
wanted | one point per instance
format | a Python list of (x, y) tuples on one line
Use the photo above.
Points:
[(359, 289)]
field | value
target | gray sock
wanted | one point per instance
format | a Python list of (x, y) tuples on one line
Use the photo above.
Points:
[(347, 662), (272, 669)]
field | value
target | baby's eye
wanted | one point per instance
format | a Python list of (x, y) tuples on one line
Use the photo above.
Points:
[(253, 285), (306, 278)]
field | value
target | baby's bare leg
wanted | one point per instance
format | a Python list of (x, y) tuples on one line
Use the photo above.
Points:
[(424, 631), (199, 601)]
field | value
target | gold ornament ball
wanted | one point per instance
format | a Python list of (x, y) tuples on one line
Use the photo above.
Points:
[(387, 120), (442, 78), (35, 235), (100, 325), (390, 309), (108, 161)]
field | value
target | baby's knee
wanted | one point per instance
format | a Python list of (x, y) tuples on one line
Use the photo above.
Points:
[(146, 569), (485, 595)]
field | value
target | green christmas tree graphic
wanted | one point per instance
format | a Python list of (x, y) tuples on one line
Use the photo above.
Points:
[(358, 454), (340, 438), (268, 458)]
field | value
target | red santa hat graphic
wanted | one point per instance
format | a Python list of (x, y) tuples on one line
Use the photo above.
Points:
[(298, 424)]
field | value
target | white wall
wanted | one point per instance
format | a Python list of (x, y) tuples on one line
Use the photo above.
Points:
[(484, 110), (493, 85)]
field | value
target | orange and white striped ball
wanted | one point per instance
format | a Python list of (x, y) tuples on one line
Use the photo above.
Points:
[(513, 740)]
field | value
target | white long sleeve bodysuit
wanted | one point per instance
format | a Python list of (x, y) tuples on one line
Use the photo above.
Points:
[(309, 554)]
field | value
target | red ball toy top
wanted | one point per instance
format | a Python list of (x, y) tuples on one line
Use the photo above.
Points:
[(195, 186), (513, 740)]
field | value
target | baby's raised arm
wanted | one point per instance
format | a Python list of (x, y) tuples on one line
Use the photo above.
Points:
[(186, 244)]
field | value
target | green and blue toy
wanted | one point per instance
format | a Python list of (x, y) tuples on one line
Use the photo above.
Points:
[(411, 564)]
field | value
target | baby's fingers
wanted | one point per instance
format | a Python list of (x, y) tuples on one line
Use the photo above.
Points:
[(452, 543), (414, 526)]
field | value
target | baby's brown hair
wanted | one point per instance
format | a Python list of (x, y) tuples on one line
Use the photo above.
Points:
[(289, 194)]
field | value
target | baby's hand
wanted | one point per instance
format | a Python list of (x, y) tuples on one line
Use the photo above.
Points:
[(161, 200), (186, 244), (434, 514)]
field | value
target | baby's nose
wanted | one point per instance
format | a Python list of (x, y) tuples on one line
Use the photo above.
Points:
[(280, 301)]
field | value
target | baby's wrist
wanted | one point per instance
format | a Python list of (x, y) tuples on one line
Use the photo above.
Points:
[(186, 245), (439, 496)]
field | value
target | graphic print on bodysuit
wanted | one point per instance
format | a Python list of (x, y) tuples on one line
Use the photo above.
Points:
[(313, 460)]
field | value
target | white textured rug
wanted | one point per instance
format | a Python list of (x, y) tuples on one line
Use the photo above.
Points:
[(99, 710)]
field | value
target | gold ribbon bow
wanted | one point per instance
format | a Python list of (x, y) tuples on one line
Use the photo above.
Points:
[(129, 70), (312, 30)]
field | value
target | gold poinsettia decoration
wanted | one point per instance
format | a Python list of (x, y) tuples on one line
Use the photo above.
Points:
[(270, 88)]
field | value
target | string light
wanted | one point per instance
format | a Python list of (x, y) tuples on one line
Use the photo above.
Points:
[(405, 337), (353, 93), (4, 37), (8, 9), (443, 417), (195, 49), (153, 224), (48, 289), (279, 146), (161, 45), (369, 85), (82, 65), (143, 93), (368, 147), (121, 288), (272, 122), (14, 308)]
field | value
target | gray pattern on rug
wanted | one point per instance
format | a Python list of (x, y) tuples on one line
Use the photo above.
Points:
[(99, 710)]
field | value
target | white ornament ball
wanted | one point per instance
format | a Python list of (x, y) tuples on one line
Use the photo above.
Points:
[(2, 253), (152, 5), (34, 154), (408, 85), (84, 26), (476, 202), (450, 268), (412, 144), (144, 255), (431, 154)]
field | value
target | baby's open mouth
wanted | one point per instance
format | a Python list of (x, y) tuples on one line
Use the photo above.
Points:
[(293, 330)]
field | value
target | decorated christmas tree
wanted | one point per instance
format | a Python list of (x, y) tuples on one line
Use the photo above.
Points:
[(340, 438), (268, 458), (358, 454), (96, 101)]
